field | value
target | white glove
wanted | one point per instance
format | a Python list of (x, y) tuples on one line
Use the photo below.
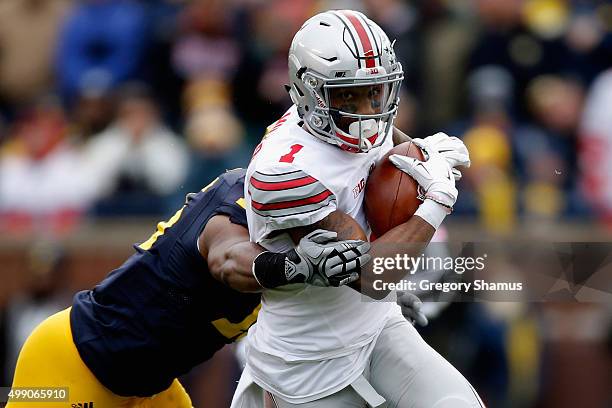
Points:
[(434, 176), (411, 308), (323, 261), (437, 183), (449, 147)]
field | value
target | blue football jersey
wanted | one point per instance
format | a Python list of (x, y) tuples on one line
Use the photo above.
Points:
[(162, 312)]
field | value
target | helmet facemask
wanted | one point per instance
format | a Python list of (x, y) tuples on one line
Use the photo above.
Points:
[(354, 113)]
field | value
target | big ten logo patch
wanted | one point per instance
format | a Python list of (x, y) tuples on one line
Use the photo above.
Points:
[(359, 188)]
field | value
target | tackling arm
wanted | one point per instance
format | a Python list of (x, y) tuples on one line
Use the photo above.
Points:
[(247, 267), (229, 254)]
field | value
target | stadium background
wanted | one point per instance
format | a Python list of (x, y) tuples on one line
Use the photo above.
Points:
[(112, 110)]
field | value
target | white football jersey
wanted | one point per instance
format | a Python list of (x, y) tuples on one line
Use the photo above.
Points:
[(295, 179)]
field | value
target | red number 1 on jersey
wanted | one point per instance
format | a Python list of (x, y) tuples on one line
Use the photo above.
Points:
[(288, 158)]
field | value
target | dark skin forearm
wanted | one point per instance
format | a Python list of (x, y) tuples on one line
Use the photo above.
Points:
[(409, 238), (229, 254)]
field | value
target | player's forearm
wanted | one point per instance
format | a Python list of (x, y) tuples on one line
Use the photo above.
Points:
[(235, 267), (247, 267), (409, 238), (343, 224)]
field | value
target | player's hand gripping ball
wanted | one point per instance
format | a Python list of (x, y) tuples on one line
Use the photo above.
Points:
[(391, 196)]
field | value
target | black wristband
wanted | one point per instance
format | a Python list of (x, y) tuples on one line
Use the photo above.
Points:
[(269, 269)]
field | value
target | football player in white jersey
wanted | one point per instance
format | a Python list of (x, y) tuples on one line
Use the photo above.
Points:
[(318, 346)]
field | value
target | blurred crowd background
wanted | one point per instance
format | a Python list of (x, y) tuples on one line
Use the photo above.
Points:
[(112, 110)]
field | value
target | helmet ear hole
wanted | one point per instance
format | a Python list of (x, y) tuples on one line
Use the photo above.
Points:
[(306, 108)]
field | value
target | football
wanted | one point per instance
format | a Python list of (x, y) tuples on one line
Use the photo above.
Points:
[(391, 196)]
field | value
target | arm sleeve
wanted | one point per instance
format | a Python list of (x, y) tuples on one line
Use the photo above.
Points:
[(283, 198)]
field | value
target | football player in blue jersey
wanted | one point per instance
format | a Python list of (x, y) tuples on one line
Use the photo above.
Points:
[(188, 290)]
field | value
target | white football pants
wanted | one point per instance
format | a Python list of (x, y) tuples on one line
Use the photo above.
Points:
[(404, 372)]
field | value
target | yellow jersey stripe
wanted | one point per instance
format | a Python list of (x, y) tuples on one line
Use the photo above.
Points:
[(161, 227), (236, 330), (212, 183)]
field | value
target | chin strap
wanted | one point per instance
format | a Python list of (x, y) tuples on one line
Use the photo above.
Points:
[(367, 143)]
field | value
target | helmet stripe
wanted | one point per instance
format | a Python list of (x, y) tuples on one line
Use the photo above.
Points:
[(363, 37), (375, 39)]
